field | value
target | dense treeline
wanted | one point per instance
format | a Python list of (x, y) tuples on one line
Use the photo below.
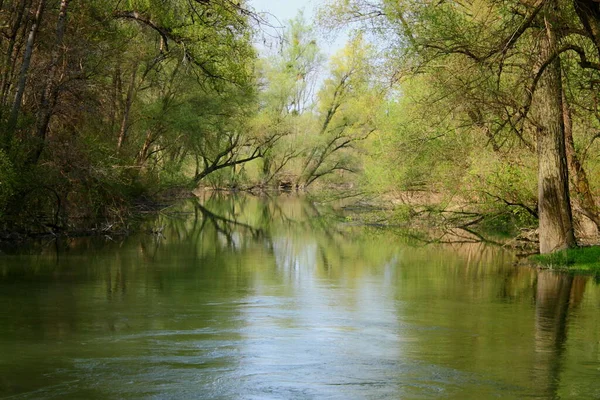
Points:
[(105, 102), (499, 112), (102, 101), (478, 113)]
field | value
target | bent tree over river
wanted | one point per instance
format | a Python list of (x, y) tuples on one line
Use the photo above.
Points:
[(255, 298)]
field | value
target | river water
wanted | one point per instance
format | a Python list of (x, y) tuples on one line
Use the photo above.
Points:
[(256, 298)]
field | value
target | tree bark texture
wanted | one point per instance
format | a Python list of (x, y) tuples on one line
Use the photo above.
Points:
[(554, 208)]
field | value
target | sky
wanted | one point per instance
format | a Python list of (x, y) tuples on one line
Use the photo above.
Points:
[(284, 10)]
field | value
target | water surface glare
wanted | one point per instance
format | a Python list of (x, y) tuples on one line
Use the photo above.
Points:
[(251, 298)]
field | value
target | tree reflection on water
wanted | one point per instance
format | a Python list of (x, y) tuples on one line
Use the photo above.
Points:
[(557, 295), (231, 286)]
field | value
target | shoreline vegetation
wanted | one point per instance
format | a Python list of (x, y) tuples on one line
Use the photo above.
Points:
[(581, 260), (353, 208), (475, 122)]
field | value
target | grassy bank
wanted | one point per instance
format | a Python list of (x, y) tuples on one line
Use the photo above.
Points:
[(581, 259)]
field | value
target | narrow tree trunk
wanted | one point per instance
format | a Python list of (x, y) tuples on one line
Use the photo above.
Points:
[(143, 154), (50, 93), (588, 12), (477, 119), (116, 88), (9, 81), (8, 60), (554, 208), (579, 180), (126, 111), (16, 108)]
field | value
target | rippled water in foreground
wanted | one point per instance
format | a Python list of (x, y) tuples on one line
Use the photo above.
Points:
[(252, 298)]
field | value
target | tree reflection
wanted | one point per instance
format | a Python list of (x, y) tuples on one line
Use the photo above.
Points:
[(556, 294), (226, 264)]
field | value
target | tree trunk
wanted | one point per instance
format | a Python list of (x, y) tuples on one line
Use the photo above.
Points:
[(50, 93), (9, 78), (554, 208), (16, 108), (128, 103), (588, 12), (143, 154), (579, 181), (8, 61), (115, 90)]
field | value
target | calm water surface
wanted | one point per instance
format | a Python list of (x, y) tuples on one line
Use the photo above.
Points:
[(250, 298)]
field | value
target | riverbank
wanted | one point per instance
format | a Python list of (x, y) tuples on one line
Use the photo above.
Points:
[(420, 219), (129, 219), (263, 295), (581, 260)]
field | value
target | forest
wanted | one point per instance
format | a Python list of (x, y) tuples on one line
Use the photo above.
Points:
[(481, 115)]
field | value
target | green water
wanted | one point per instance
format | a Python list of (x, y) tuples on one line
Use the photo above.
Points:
[(251, 298)]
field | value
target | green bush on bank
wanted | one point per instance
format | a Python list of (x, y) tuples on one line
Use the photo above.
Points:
[(578, 259)]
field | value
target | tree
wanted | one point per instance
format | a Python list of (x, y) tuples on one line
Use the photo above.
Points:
[(347, 103), (554, 207), (89, 98), (504, 48), (317, 136), (288, 81)]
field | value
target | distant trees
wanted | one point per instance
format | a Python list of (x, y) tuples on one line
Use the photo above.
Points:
[(288, 80), (347, 103), (103, 101), (319, 117)]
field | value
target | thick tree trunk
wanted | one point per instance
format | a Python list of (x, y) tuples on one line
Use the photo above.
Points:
[(554, 208)]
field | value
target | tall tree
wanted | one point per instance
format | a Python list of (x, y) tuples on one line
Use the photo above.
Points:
[(554, 206), (288, 80), (50, 91)]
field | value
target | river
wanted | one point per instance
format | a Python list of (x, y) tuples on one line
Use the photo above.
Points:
[(271, 298)]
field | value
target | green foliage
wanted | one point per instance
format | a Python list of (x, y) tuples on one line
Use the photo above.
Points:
[(8, 180), (584, 259), (464, 119), (347, 102), (135, 92), (147, 94), (316, 132), (419, 146)]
